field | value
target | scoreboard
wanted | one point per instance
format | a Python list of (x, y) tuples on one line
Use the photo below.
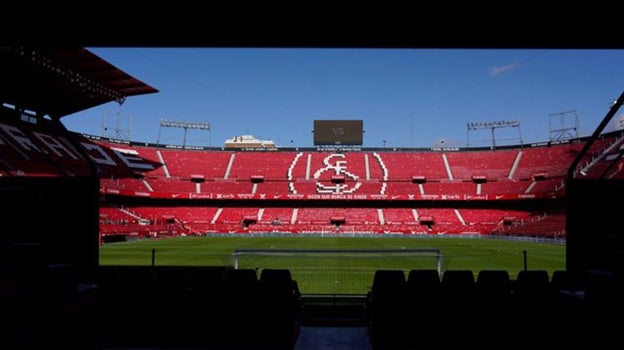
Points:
[(338, 132)]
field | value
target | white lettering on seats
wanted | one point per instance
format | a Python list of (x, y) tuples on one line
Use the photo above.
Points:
[(98, 154), (132, 159), (55, 145), (18, 136)]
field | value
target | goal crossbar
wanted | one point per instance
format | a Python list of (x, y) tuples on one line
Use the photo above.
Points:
[(344, 252)]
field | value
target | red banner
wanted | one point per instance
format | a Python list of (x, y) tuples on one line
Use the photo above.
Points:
[(337, 197)]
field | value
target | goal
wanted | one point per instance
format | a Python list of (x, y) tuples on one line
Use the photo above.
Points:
[(338, 271)]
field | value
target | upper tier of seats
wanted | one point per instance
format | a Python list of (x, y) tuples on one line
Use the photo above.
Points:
[(529, 171)]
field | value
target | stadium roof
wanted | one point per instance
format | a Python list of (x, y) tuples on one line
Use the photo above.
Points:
[(59, 82)]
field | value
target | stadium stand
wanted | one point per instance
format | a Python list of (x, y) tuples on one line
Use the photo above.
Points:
[(276, 183), (141, 171)]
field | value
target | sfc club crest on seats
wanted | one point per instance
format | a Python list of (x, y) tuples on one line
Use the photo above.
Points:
[(337, 173)]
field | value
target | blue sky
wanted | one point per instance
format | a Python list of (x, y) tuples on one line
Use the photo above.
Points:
[(405, 97)]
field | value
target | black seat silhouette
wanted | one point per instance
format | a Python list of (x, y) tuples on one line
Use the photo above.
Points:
[(385, 309), (532, 297), (458, 303), (423, 284), (241, 306), (458, 285), (422, 309), (532, 286), (566, 282), (386, 296), (281, 309), (493, 285)]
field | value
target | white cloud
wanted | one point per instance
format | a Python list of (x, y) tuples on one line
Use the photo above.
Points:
[(496, 71)]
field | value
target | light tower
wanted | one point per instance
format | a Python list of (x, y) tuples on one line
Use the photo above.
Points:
[(472, 126), (184, 125), (564, 132), (122, 127)]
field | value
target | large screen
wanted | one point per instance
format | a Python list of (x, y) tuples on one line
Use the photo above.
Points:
[(338, 132)]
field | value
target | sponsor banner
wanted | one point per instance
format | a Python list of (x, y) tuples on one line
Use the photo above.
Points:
[(337, 197)]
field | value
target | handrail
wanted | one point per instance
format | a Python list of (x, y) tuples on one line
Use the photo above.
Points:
[(605, 121)]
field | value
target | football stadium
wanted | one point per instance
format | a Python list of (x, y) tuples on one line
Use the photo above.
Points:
[(116, 244)]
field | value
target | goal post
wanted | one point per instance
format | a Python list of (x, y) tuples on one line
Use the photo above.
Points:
[(338, 271)]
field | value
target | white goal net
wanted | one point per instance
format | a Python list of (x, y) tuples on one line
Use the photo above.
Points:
[(338, 271)]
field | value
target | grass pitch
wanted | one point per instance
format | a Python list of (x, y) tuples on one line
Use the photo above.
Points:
[(339, 273)]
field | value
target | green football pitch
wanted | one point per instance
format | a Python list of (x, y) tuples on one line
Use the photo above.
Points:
[(339, 271)]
